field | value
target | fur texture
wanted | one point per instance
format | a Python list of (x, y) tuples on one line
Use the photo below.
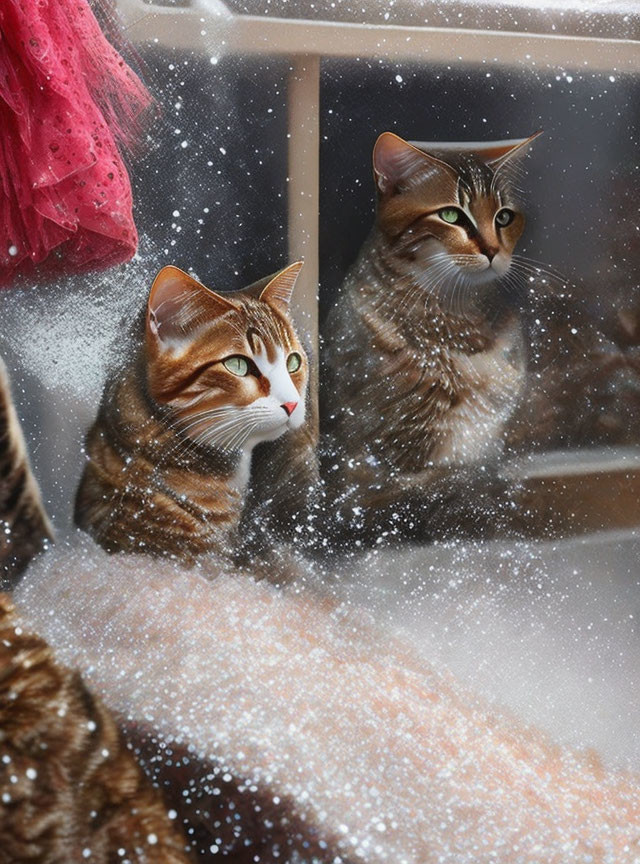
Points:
[(69, 788), (24, 527), (169, 456)]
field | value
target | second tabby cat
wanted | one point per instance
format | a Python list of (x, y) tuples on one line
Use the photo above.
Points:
[(423, 361), (170, 455)]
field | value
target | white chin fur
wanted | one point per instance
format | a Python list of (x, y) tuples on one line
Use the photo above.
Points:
[(500, 265), (480, 277), (268, 435), (277, 422), (486, 272)]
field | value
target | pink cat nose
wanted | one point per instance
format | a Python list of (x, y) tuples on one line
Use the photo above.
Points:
[(289, 407)]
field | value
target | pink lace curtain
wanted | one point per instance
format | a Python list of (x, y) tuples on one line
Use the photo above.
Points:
[(67, 101)]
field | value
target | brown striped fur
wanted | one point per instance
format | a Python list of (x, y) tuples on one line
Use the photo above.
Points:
[(68, 783), (423, 357), (24, 527), (169, 454)]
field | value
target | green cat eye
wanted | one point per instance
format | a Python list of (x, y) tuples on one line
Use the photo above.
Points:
[(504, 217), (450, 215), (237, 365), (294, 362)]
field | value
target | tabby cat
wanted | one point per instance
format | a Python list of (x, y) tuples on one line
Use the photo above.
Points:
[(169, 464), (170, 453), (70, 790), (423, 360), (24, 527)]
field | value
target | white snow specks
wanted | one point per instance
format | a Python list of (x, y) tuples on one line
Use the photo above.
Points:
[(323, 710)]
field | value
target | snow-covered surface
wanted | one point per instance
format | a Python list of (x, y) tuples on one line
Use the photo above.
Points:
[(358, 726), (549, 629)]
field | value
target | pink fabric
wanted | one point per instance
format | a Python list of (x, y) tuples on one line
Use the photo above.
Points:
[(67, 99)]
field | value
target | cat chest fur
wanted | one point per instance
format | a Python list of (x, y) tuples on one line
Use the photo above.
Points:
[(140, 494), (449, 395), (487, 385)]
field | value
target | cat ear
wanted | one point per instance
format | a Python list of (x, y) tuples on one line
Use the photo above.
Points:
[(178, 303), (494, 153), (396, 160), (279, 289), (518, 148)]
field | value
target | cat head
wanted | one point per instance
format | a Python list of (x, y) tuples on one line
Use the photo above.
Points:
[(450, 206), (229, 366)]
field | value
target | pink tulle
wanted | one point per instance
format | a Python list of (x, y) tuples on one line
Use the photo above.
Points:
[(66, 98)]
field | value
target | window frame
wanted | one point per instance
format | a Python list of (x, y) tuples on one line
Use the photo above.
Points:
[(570, 493)]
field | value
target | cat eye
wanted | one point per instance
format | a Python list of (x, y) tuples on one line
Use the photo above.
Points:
[(504, 217), (450, 215), (294, 362), (238, 365)]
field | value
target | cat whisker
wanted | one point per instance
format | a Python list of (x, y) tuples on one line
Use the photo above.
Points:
[(219, 430), (221, 434), (242, 436), (538, 268), (232, 437), (183, 444), (200, 418)]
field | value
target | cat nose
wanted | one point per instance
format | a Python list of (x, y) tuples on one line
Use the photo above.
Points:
[(289, 407), (491, 253)]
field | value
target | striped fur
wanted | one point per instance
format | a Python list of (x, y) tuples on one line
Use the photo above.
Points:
[(24, 527), (169, 456), (68, 783), (423, 362)]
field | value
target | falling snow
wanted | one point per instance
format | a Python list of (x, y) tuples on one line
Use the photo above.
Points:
[(393, 705)]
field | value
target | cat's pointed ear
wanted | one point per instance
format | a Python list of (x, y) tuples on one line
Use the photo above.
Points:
[(178, 303), (278, 290), (396, 160), (509, 150), (494, 153)]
